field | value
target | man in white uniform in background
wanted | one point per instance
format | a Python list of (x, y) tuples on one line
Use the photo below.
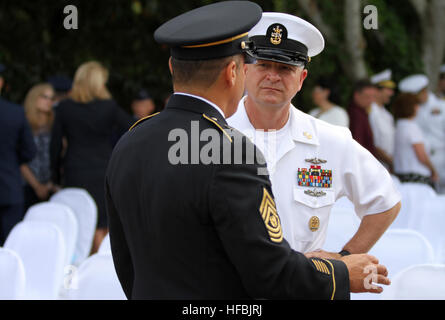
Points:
[(431, 119), (311, 163), (381, 120)]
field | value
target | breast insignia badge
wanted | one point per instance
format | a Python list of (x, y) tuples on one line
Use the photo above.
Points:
[(315, 193), (270, 216), (314, 223), (315, 160)]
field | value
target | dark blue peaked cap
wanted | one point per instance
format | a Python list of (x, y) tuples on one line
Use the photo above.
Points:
[(2, 68), (60, 83), (213, 31)]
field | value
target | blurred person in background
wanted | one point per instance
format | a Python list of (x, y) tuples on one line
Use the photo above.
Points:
[(40, 115), (62, 87), (87, 120), (142, 104), (411, 160), (325, 97), (381, 120), (16, 147), (363, 96), (431, 120)]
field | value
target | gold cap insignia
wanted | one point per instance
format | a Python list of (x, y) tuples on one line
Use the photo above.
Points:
[(270, 216), (275, 36), (314, 223)]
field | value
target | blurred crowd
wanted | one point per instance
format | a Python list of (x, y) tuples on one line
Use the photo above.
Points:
[(62, 137), (402, 125), (64, 134)]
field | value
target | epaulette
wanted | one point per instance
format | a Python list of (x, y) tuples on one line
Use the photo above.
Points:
[(142, 120), (215, 122)]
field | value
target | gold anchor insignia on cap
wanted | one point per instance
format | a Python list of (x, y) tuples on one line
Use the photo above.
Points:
[(275, 36), (315, 193), (307, 135), (315, 160), (314, 223)]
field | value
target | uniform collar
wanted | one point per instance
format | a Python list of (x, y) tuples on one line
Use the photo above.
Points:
[(302, 126), (195, 104)]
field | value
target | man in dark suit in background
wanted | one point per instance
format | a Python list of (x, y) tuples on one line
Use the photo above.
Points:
[(187, 222), (16, 147)]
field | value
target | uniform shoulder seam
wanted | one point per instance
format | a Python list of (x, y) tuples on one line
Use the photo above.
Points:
[(142, 120), (218, 125)]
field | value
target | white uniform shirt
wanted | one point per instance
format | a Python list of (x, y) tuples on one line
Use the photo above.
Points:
[(405, 159), (336, 116), (431, 119), (383, 128), (356, 174)]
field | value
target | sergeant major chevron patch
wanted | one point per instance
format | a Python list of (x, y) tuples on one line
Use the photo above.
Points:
[(270, 216)]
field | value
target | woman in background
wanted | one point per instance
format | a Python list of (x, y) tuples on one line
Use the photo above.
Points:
[(411, 161), (325, 97), (40, 115), (87, 120)]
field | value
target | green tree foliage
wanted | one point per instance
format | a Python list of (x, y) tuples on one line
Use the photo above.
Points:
[(34, 44)]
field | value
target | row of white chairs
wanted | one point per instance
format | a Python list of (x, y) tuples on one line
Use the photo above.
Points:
[(415, 237), (52, 236)]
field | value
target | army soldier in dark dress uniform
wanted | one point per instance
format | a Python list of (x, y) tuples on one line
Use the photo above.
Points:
[(190, 216)]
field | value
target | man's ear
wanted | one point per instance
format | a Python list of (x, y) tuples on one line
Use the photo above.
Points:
[(303, 76), (230, 73), (170, 65)]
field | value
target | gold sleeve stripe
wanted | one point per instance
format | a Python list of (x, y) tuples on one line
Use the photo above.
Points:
[(333, 278), (316, 265), (325, 268), (217, 124), (217, 42), (321, 266), (142, 119)]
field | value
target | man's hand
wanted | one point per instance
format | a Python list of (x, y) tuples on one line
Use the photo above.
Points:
[(365, 269), (42, 191), (323, 255)]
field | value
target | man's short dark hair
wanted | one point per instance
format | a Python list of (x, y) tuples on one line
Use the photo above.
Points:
[(202, 73), (362, 84)]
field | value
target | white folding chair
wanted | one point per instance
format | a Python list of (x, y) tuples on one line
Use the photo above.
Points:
[(105, 246), (431, 226), (420, 282), (96, 279), (12, 275), (415, 199), (41, 247), (62, 216), (398, 249), (343, 224), (85, 209)]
